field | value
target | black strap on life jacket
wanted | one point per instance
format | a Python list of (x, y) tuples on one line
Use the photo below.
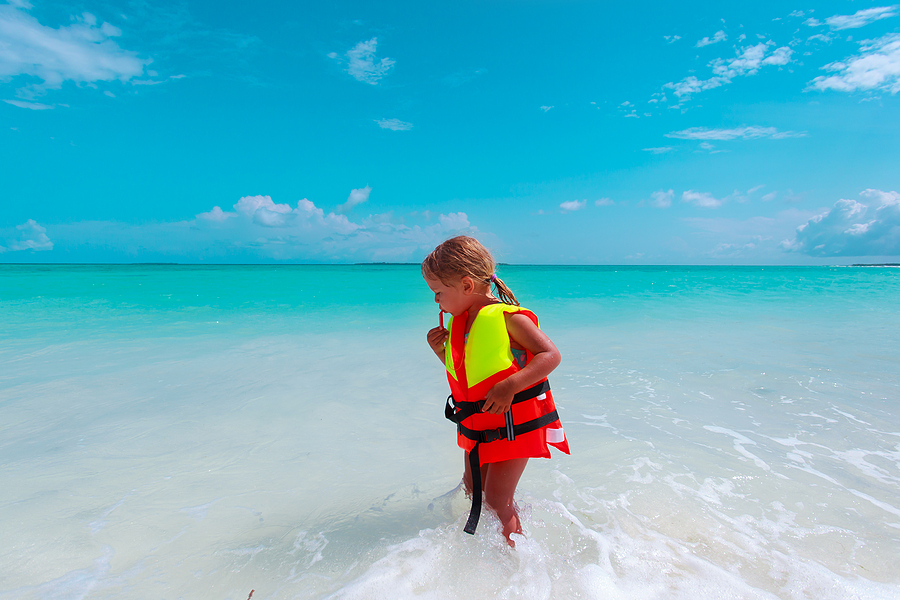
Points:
[(459, 411)]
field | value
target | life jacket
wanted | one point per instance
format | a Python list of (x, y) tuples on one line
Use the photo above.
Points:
[(474, 366)]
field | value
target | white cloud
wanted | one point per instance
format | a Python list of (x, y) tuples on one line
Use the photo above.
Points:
[(29, 105), (257, 229), (216, 214), (861, 18), (546, 108), (736, 196), (263, 211), (701, 199), (756, 188), (659, 150), (748, 61), (851, 228), (603, 202), (29, 236), (662, 198), (672, 38), (877, 66), (362, 64), (719, 36), (769, 197), (780, 57), (394, 124), (454, 221), (82, 52), (745, 133), (573, 205), (691, 85), (357, 196), (820, 37)]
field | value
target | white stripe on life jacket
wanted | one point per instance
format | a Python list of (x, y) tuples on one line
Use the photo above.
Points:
[(555, 436)]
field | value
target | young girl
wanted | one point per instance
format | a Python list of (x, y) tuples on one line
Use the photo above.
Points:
[(497, 362)]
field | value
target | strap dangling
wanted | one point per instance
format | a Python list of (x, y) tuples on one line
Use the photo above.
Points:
[(475, 471)]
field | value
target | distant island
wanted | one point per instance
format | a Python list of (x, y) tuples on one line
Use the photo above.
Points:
[(876, 265)]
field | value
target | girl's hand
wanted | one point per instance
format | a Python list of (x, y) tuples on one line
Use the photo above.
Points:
[(437, 338), (499, 398)]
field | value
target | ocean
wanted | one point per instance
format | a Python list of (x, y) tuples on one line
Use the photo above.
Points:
[(174, 431)]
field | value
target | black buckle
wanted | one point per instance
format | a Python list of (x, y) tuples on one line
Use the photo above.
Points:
[(492, 435)]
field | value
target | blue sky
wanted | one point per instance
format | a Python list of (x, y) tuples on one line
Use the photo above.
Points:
[(557, 132)]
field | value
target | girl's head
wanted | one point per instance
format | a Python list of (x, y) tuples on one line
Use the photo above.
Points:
[(464, 256)]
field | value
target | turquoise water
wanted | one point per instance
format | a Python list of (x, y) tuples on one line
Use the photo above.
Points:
[(201, 431)]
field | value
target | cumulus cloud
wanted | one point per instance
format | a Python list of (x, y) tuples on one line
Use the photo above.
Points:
[(216, 214), (852, 228), (28, 236), (861, 18), (356, 197), (394, 124), (662, 198), (719, 36), (573, 205), (748, 61), (701, 199), (362, 63), (745, 133), (83, 52), (604, 202), (876, 67), (254, 229)]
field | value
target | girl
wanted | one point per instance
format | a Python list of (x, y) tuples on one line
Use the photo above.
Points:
[(497, 362)]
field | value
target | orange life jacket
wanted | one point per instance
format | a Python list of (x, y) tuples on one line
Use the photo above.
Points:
[(474, 366)]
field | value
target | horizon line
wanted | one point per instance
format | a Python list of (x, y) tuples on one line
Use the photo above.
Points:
[(377, 263)]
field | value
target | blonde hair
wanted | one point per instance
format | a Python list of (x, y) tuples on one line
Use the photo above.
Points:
[(464, 256)]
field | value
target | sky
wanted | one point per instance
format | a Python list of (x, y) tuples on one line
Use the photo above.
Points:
[(557, 132)]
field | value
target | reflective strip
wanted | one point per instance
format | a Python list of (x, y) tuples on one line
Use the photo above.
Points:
[(555, 436), (542, 397)]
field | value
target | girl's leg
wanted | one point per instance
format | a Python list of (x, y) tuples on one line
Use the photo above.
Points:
[(500, 481)]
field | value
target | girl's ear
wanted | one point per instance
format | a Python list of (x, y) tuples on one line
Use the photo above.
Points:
[(468, 284)]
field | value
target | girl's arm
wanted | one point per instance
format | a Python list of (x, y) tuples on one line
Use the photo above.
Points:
[(437, 337), (523, 331)]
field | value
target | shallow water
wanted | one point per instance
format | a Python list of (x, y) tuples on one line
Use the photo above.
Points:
[(173, 431)]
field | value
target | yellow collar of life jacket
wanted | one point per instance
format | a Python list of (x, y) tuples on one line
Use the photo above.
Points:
[(474, 361)]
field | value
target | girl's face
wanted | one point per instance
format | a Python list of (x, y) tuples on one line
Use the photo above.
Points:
[(453, 299)]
